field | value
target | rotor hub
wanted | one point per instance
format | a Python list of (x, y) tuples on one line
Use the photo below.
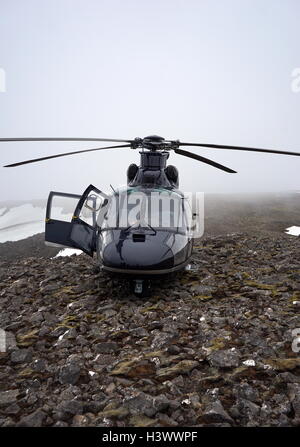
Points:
[(154, 143)]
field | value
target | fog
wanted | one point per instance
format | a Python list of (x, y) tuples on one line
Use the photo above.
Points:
[(215, 71)]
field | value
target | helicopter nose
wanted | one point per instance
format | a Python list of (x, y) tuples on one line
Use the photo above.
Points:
[(146, 255)]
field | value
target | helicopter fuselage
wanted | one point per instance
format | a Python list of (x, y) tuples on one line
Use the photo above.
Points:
[(147, 246), (127, 237), (141, 230)]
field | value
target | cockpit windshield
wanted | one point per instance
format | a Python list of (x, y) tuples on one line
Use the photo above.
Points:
[(157, 209)]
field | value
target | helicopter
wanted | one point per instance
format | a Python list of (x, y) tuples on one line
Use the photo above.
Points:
[(143, 231)]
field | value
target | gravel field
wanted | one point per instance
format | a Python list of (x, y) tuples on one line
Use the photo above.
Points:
[(212, 346)]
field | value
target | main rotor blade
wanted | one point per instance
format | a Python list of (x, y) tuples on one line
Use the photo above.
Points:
[(2, 140), (239, 148), (204, 160), (63, 155)]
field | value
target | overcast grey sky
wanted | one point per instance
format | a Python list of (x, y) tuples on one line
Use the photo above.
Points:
[(217, 71)]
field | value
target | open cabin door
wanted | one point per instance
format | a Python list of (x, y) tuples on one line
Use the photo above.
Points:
[(71, 220)]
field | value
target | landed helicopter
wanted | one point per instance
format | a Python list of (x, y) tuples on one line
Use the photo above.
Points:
[(142, 231)]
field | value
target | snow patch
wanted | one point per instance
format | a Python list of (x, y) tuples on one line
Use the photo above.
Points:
[(23, 221), (294, 231), (249, 362), (68, 252)]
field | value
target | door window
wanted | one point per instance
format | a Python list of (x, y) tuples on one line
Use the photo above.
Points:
[(61, 206)]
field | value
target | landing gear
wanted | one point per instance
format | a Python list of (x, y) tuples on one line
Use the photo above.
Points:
[(141, 287)]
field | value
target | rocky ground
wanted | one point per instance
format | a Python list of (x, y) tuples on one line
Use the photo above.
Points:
[(33, 246), (212, 346)]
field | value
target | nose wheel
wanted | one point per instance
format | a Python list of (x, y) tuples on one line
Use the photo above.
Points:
[(141, 287)]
